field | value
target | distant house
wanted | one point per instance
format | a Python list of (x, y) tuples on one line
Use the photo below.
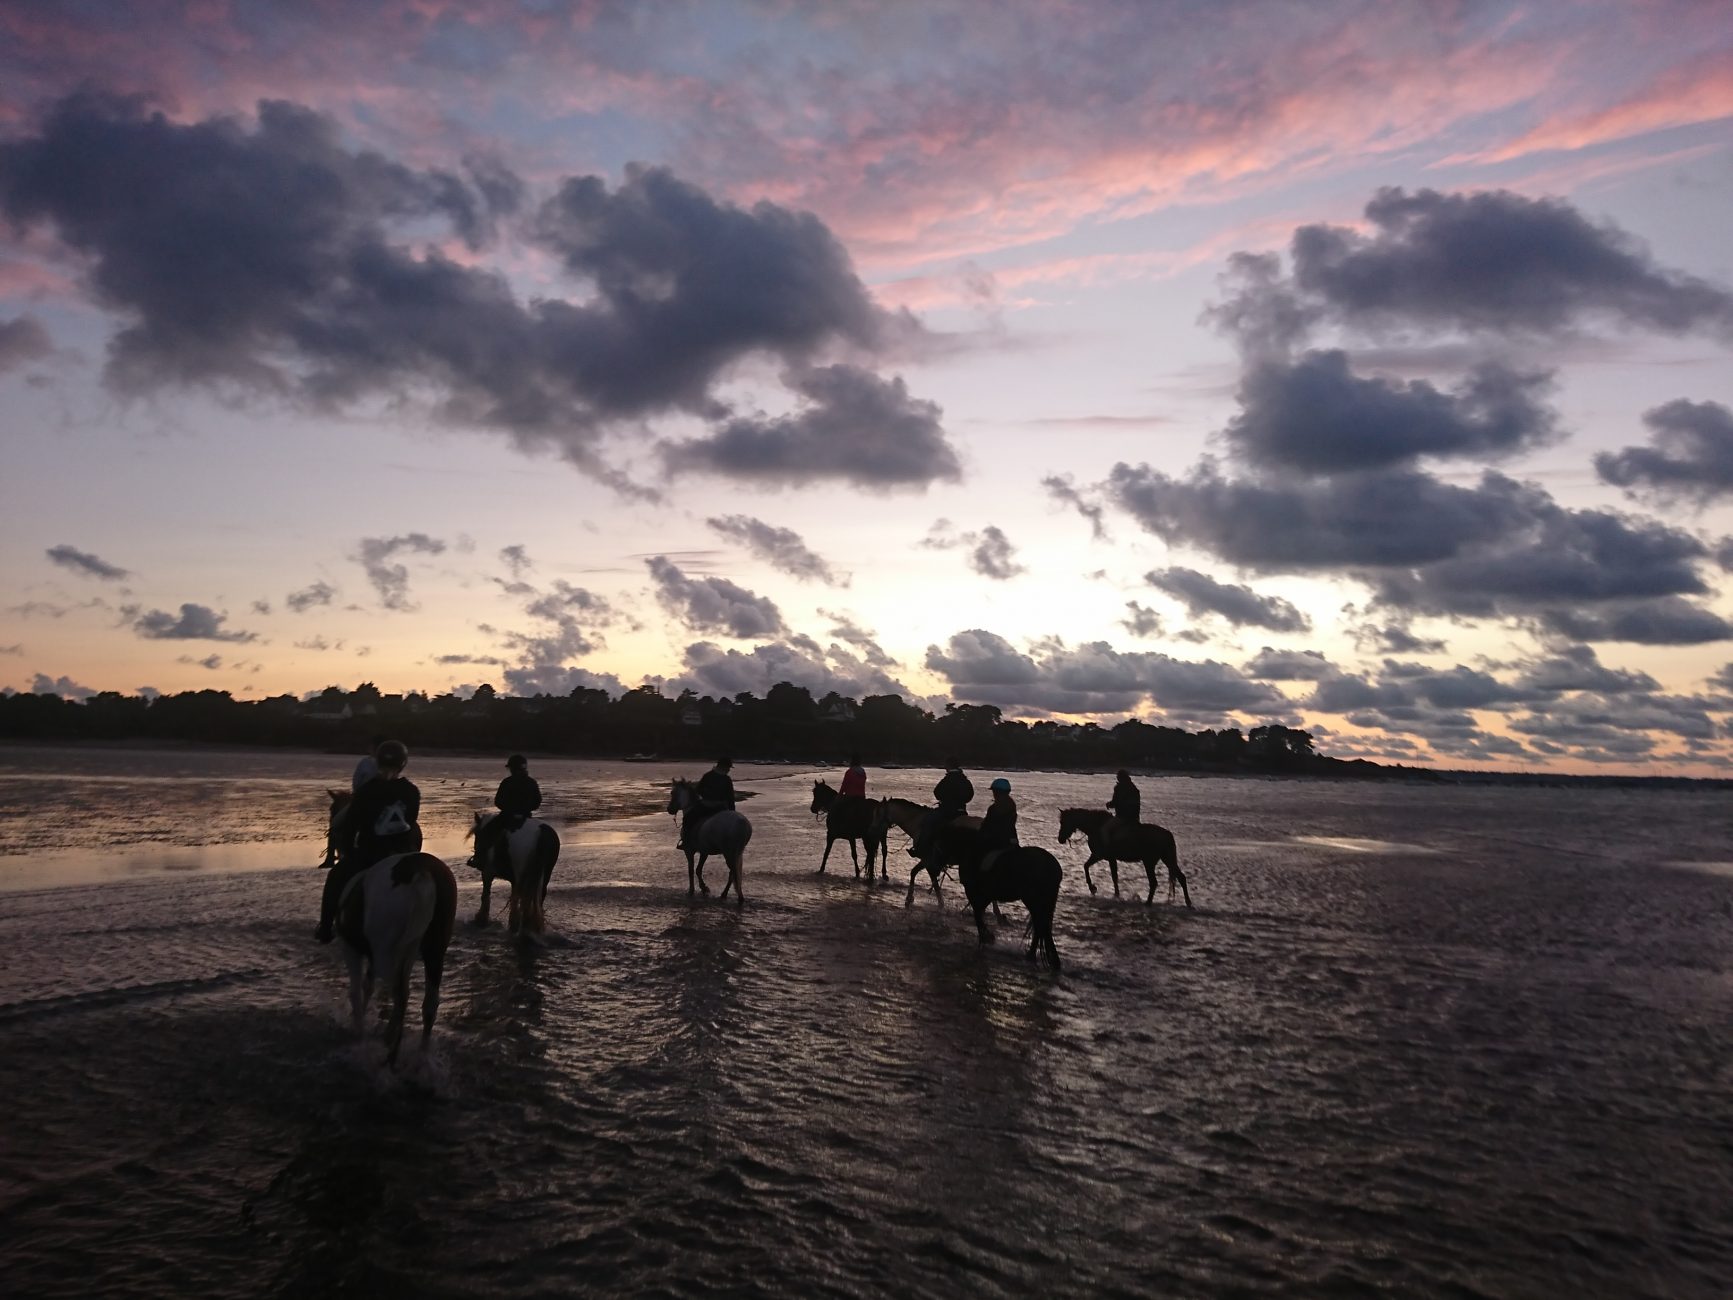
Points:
[(690, 716), (321, 711), (838, 711)]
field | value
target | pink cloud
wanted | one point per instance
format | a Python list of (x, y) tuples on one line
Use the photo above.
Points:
[(1701, 91)]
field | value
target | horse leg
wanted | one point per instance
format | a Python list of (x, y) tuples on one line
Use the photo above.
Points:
[(433, 969), (1113, 866), (691, 887), (486, 897), (736, 864), (360, 987), (1172, 871), (913, 876), (829, 843), (1149, 866), (1087, 878), (985, 935), (399, 1001)]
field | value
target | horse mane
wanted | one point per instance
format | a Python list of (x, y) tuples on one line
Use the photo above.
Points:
[(1086, 814)]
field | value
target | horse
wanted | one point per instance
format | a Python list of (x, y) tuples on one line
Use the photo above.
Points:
[(1107, 838), (854, 820), (340, 801), (908, 817), (1020, 874), (726, 832), (526, 854), (400, 905)]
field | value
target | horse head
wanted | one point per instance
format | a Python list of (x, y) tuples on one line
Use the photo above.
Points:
[(481, 819), (1067, 824), (679, 796), (822, 797)]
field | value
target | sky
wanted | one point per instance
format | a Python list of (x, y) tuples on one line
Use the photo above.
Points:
[(1356, 366)]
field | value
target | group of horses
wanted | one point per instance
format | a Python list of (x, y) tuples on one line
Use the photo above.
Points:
[(405, 905), (1024, 874)]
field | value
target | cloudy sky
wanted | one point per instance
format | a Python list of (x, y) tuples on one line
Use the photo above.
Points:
[(1356, 365)]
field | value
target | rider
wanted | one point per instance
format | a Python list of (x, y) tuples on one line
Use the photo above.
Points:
[(853, 780), (368, 767), (952, 793), (382, 821), (1126, 804), (518, 796), (715, 793), (999, 826)]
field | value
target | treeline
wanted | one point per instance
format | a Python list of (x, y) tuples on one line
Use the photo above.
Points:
[(786, 723)]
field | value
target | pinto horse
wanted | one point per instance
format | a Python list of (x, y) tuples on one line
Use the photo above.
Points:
[(527, 855), (401, 905), (726, 832), (851, 820), (1021, 874), (1108, 839)]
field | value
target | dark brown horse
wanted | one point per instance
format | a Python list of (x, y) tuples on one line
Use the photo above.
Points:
[(852, 820), (1111, 840), (909, 817), (1025, 875)]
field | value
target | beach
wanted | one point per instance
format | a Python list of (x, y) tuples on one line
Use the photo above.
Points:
[(1410, 1041)]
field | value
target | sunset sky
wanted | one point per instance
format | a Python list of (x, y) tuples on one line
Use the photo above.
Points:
[(1357, 366)]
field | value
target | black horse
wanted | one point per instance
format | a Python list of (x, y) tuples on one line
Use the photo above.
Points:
[(1025, 875), (851, 820)]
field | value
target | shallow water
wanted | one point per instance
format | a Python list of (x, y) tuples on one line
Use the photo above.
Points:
[(1410, 1042)]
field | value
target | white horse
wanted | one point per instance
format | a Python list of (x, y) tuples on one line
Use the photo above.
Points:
[(725, 832), (524, 859), (401, 905)]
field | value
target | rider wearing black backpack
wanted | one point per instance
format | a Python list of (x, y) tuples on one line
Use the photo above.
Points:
[(383, 820)]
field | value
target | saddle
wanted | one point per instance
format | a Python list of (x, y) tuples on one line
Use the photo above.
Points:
[(990, 858)]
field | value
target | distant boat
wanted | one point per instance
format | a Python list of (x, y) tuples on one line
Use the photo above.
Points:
[(643, 758)]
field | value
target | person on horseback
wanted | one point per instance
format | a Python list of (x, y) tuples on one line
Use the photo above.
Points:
[(1127, 804), (368, 767), (853, 780), (715, 793), (952, 794), (382, 821), (517, 798), (999, 826)]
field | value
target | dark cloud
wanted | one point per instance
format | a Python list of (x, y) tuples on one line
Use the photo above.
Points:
[(1140, 620), (709, 669), (1484, 262), (990, 552), (566, 621), (1666, 620), (1238, 604), (269, 257), (318, 643), (845, 629), (1393, 517), (1064, 491), (318, 592), (1316, 417), (983, 667), (782, 548), (851, 427), (391, 581), (83, 562), (1394, 638), (994, 557), (1578, 668), (713, 604), (1270, 665), (210, 662), (261, 607), (1690, 456), (16, 648), (517, 559), (64, 687), (23, 340), (195, 623)]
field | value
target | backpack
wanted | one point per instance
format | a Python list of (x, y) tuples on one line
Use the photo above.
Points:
[(393, 819)]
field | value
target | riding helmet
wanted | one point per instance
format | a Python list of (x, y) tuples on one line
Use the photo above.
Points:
[(393, 753), (1000, 786), (516, 761)]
